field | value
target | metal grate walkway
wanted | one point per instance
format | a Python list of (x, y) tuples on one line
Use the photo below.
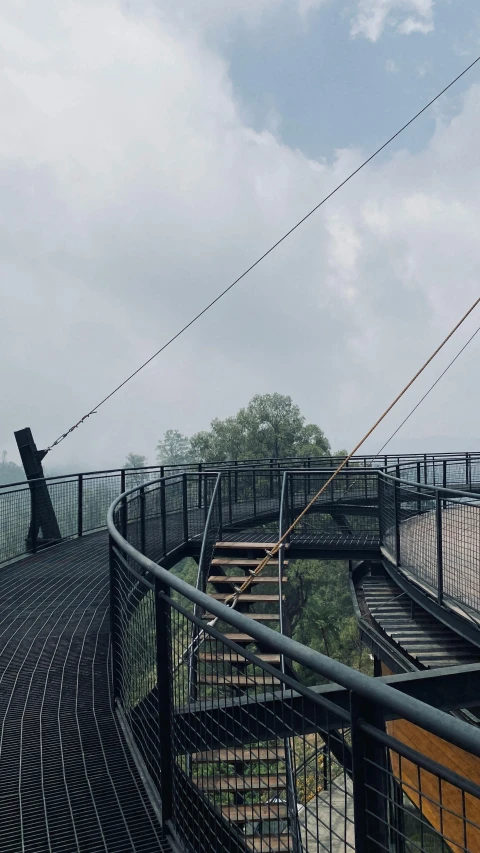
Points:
[(67, 781)]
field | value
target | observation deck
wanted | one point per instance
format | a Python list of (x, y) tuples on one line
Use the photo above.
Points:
[(130, 722)]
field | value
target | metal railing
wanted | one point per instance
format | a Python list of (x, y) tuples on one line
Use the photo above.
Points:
[(432, 533), (81, 501), (421, 511), (363, 796)]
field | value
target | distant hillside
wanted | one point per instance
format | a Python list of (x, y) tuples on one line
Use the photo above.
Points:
[(9, 472)]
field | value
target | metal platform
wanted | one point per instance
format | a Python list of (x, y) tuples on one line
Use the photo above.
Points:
[(68, 782)]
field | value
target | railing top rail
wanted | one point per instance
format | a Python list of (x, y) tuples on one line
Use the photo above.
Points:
[(194, 467), (444, 726), (431, 487), (27, 483)]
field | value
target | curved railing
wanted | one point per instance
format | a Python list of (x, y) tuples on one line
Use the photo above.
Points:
[(152, 613), (423, 514), (432, 534), (419, 509)]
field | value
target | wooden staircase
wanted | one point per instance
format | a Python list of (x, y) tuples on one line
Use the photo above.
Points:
[(247, 785)]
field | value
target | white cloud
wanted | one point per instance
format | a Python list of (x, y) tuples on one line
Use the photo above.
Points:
[(405, 16), (391, 67), (131, 193), (212, 14)]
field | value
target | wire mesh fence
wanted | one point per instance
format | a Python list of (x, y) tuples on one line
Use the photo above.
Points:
[(433, 534), (347, 509), (216, 737), (427, 806)]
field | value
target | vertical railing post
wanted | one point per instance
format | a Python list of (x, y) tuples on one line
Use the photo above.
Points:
[(359, 781), (396, 512), (290, 506), (220, 509), (254, 489), (206, 497), (236, 482), (34, 527), (271, 478), (419, 502), (185, 507), (164, 692), (80, 505), (123, 487), (163, 516), (468, 471), (230, 510), (142, 520), (369, 779), (439, 538), (200, 468)]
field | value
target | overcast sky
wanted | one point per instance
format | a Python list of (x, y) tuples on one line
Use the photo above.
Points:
[(147, 156)]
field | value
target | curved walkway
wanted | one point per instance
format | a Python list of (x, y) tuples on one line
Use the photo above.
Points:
[(67, 781)]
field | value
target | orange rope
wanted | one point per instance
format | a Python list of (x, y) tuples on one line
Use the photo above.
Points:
[(247, 583)]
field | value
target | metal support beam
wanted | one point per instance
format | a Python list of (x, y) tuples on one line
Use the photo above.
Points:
[(370, 778), (42, 513), (262, 717)]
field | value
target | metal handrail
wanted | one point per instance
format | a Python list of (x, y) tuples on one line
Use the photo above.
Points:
[(430, 487), (267, 462), (372, 690)]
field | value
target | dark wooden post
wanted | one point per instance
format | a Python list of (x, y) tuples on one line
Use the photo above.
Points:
[(42, 513)]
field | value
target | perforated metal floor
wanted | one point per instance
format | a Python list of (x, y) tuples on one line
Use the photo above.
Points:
[(67, 781)]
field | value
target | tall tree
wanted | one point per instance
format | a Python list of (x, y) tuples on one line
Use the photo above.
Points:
[(174, 449), (9, 472), (319, 611), (270, 426), (135, 460)]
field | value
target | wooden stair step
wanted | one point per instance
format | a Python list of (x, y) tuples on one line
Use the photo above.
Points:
[(236, 638), (265, 843), (258, 617), (244, 562), (235, 658), (258, 811), (240, 580), (264, 782), (250, 597), (238, 680), (245, 754)]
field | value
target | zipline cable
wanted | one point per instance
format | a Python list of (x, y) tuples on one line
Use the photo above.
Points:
[(269, 554), (379, 452), (426, 394), (262, 257), (232, 600)]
